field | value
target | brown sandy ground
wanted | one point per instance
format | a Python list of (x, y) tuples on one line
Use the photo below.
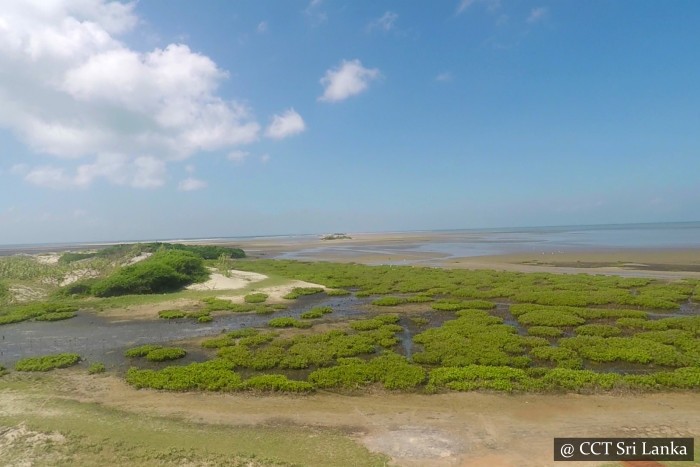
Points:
[(452, 429), (654, 263)]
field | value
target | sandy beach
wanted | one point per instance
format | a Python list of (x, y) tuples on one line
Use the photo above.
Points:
[(414, 248)]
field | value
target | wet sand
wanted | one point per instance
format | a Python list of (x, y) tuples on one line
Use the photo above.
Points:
[(427, 249), (452, 429)]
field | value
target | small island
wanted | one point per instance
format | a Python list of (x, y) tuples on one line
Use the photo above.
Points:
[(336, 236)]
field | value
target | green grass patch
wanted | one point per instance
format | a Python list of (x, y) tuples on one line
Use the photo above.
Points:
[(602, 330), (141, 350), (287, 322), (47, 362), (297, 292), (39, 311), (171, 314), (96, 368), (257, 297), (544, 331), (389, 301), (165, 353), (317, 312)]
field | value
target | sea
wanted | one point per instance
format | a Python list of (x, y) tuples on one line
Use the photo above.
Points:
[(460, 242)]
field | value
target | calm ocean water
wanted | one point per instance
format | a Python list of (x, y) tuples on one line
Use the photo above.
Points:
[(462, 243), (477, 242)]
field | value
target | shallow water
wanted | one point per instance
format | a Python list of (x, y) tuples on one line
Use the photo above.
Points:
[(97, 338), (468, 243)]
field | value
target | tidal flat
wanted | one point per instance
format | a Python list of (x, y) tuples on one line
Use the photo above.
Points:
[(373, 356)]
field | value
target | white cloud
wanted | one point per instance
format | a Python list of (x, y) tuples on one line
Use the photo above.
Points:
[(444, 77), (139, 172), (537, 15), (491, 5), (314, 13), (238, 156), (288, 124), (384, 22), (348, 79), (265, 158), (191, 184), (262, 27), (73, 90)]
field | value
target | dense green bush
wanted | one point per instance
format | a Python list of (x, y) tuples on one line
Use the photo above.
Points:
[(390, 369), (165, 271), (316, 312), (301, 291), (165, 353), (171, 314), (475, 337), (214, 375), (602, 330), (55, 316), (141, 351), (627, 349), (96, 368), (257, 297), (565, 358), (40, 311), (47, 362), (544, 331), (337, 292), (389, 301), (549, 318), (286, 322)]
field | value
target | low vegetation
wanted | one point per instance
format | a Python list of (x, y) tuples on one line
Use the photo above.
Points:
[(470, 330), (287, 323), (47, 362), (39, 311), (96, 368), (316, 312), (255, 297), (301, 291)]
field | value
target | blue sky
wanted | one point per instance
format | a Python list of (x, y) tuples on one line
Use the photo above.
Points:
[(223, 118)]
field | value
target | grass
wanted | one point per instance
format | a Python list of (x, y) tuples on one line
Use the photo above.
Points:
[(171, 314), (287, 323), (47, 362), (96, 368), (572, 323), (165, 353), (99, 435), (38, 311), (255, 297), (297, 292), (316, 312)]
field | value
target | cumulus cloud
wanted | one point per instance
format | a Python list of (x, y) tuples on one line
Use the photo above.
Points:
[(348, 79), (73, 90), (384, 23), (191, 184), (537, 15), (118, 169), (288, 124)]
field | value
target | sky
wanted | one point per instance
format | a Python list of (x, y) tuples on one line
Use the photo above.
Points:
[(184, 119)]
